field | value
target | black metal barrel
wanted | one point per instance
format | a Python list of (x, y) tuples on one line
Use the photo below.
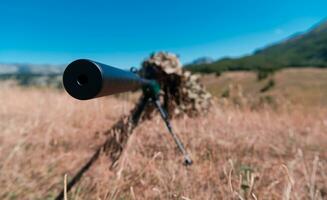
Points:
[(86, 79)]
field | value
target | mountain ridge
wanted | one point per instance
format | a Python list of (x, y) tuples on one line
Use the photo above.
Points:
[(308, 48), (41, 69)]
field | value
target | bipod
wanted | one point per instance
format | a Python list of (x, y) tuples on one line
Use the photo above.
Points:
[(151, 94)]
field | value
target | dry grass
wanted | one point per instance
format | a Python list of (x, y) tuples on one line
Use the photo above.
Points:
[(238, 153), (304, 86)]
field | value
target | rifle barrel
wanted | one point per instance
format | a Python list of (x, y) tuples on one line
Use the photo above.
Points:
[(86, 79)]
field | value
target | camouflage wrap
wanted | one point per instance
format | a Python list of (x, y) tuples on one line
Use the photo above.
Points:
[(182, 93)]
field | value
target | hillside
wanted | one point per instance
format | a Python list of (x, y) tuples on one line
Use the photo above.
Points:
[(296, 86), (306, 49)]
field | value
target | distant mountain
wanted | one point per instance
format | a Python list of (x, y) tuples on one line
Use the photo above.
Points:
[(30, 69), (30, 74), (202, 60), (299, 50)]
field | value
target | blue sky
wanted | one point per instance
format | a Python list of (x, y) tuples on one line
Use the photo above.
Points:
[(122, 33)]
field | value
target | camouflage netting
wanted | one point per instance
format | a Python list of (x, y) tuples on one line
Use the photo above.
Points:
[(182, 92)]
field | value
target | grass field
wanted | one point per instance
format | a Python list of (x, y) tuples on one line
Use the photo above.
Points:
[(305, 87), (238, 152)]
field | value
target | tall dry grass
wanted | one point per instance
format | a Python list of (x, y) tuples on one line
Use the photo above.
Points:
[(238, 153)]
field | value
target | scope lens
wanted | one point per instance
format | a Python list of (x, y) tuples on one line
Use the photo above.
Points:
[(82, 79)]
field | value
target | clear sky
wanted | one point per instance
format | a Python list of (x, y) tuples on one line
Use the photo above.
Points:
[(122, 33)]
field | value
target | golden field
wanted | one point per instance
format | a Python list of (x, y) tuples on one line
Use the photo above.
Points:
[(301, 86), (274, 151)]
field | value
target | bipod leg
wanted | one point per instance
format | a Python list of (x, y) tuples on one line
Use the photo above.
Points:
[(164, 116)]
